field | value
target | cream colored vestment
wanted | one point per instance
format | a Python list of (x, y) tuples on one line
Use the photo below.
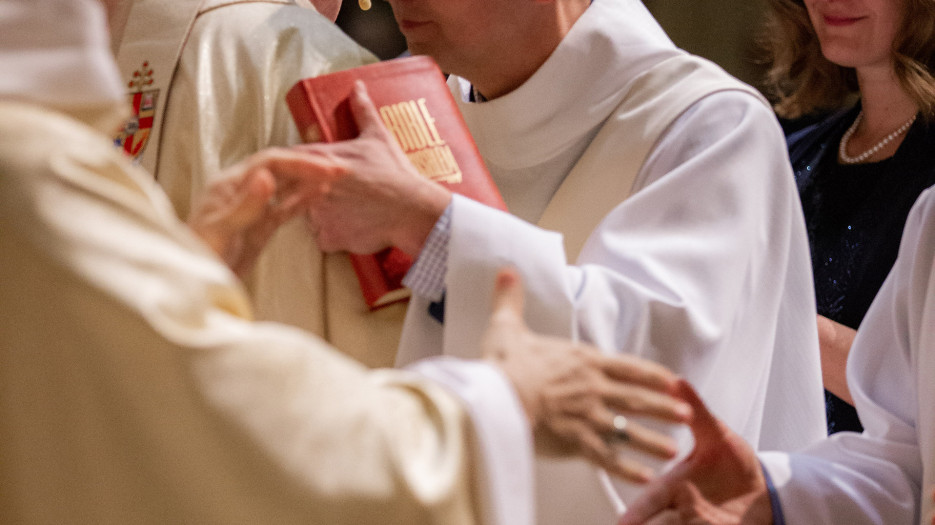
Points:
[(134, 388), (225, 100)]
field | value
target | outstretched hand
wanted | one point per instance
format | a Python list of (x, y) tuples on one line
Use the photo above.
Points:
[(720, 483), (368, 196), (573, 393), (238, 214)]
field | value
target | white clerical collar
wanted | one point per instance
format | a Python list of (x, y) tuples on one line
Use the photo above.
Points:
[(612, 40)]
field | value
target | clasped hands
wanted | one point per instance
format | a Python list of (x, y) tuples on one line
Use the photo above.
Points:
[(359, 196)]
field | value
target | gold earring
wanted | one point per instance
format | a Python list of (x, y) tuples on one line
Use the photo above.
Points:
[(364, 4)]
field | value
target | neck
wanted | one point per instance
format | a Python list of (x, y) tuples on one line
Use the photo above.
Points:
[(886, 106), (545, 25), (887, 110)]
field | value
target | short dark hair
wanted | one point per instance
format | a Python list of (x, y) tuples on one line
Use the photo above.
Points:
[(802, 81)]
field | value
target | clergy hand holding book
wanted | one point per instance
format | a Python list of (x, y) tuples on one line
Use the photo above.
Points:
[(379, 203)]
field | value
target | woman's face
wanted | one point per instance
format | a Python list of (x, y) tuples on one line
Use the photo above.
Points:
[(856, 33)]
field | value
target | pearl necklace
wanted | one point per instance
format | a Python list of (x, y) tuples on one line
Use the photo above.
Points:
[(842, 148)]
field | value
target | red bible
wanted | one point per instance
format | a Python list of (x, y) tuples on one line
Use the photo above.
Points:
[(416, 106)]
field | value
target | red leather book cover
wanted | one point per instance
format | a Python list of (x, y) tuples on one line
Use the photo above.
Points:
[(418, 109)]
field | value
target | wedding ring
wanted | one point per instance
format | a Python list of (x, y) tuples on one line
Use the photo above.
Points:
[(620, 433)]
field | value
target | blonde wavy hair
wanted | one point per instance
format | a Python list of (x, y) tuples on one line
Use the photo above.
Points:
[(803, 82)]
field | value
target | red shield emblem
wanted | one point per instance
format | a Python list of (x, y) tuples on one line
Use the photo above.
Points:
[(135, 134)]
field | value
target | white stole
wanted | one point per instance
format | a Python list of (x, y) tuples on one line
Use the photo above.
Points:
[(606, 173)]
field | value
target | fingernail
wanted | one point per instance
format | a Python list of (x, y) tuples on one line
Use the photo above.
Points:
[(684, 411), (505, 279)]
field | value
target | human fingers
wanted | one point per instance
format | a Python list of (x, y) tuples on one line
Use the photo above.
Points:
[(634, 399), (506, 329), (253, 193), (706, 427), (632, 369), (230, 206), (666, 517), (365, 113), (619, 431), (292, 180), (658, 496), (508, 300), (301, 163), (583, 438), (301, 177), (600, 437), (293, 197)]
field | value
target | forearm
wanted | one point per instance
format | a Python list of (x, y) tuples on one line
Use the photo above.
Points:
[(835, 341), (391, 443)]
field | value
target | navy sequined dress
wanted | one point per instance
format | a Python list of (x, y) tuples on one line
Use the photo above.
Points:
[(855, 216)]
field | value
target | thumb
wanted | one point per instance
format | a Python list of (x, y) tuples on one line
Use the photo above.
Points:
[(505, 325), (508, 301), (365, 113), (706, 427), (654, 499)]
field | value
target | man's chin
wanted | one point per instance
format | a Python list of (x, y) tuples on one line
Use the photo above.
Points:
[(424, 48)]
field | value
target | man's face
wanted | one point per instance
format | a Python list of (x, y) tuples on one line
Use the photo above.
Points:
[(459, 34)]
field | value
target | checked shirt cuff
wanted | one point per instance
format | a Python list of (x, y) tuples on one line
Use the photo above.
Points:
[(426, 277)]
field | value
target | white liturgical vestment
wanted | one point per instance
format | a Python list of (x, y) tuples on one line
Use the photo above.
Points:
[(886, 475), (225, 99), (134, 388), (700, 263)]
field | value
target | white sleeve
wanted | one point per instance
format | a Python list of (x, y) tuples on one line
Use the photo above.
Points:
[(503, 446), (697, 270), (875, 477)]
